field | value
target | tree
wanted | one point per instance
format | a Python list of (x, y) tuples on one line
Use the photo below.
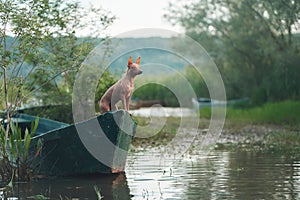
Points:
[(40, 49), (253, 42)]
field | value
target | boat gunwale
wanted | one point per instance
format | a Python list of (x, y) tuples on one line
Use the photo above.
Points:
[(66, 125)]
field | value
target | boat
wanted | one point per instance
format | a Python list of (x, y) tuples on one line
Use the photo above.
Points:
[(64, 150), (207, 102)]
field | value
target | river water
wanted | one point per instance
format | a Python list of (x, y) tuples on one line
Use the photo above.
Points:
[(219, 175)]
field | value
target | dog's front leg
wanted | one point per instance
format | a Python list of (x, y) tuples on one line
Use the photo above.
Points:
[(114, 101), (124, 103), (128, 103), (114, 107)]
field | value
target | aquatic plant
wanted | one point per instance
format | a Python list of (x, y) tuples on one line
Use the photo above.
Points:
[(14, 162), (98, 192)]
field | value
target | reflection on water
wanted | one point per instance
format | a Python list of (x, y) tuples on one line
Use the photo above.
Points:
[(110, 187), (243, 175), (221, 175)]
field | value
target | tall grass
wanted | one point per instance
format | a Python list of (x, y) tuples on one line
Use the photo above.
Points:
[(286, 112), (14, 150)]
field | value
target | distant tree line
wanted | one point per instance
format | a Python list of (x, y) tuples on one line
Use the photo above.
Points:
[(172, 88), (254, 43)]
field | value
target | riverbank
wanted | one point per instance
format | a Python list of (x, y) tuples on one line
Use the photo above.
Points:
[(246, 137), (274, 127), (231, 132)]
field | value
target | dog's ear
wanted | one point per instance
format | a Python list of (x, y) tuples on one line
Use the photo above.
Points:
[(129, 61), (138, 60)]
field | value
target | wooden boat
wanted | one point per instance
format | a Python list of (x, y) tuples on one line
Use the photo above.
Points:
[(64, 153)]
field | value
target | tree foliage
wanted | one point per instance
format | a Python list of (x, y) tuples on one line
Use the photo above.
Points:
[(253, 42), (40, 47), (171, 92), (40, 55)]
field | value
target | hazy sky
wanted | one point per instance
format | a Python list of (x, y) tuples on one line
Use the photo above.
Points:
[(135, 14)]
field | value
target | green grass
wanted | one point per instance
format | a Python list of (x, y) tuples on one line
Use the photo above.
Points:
[(281, 113)]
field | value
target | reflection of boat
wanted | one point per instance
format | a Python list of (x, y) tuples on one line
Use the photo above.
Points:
[(63, 151), (79, 187)]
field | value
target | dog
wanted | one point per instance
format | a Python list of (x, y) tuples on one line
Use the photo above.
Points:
[(121, 90)]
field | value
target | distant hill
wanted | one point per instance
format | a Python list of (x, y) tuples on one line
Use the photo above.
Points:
[(155, 61), (152, 59)]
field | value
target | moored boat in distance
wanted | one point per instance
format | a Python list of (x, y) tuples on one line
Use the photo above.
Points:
[(207, 102)]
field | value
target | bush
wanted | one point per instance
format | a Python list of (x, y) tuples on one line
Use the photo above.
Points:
[(259, 96), (154, 91)]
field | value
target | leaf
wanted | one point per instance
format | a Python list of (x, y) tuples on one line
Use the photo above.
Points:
[(13, 146), (10, 184), (39, 147), (18, 131), (13, 129), (2, 131), (38, 196), (34, 126), (98, 192), (18, 141), (27, 140)]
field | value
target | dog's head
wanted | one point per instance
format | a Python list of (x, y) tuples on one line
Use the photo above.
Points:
[(134, 68)]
